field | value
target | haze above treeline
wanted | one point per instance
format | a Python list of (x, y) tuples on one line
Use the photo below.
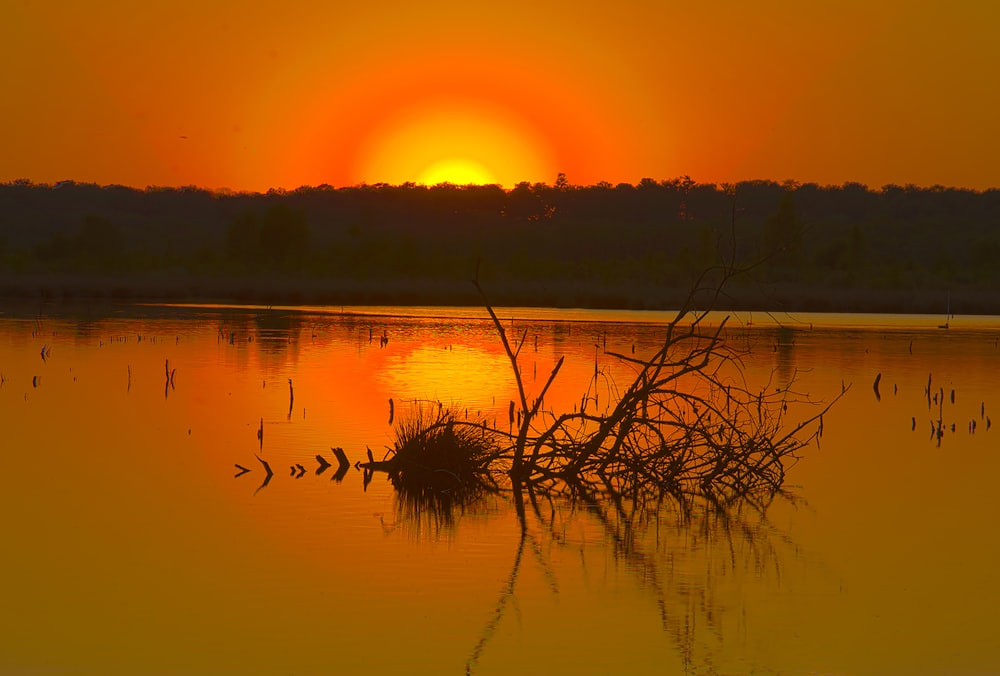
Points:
[(844, 247)]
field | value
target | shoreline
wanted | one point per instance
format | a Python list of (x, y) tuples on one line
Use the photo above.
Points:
[(776, 297)]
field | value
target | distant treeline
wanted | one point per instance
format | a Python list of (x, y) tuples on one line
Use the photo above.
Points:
[(627, 245)]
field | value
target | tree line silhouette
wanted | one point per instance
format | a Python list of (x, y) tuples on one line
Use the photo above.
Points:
[(629, 245)]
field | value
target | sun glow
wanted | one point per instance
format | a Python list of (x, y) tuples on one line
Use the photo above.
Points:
[(455, 141), (458, 171)]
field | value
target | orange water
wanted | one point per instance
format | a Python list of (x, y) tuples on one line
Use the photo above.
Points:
[(129, 546)]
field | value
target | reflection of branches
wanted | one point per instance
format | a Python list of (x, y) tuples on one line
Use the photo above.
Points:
[(680, 547), (506, 594), (687, 527)]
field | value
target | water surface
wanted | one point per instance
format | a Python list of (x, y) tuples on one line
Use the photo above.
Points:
[(130, 547)]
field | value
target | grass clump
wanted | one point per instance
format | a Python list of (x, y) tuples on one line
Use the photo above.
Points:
[(436, 456)]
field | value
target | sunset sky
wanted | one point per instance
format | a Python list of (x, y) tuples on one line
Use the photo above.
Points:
[(250, 96)]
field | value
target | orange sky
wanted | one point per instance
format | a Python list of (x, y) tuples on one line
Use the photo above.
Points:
[(251, 96)]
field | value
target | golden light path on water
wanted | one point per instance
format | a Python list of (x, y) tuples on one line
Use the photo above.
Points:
[(130, 546)]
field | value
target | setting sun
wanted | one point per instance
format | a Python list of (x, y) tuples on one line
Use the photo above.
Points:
[(456, 170), (454, 140)]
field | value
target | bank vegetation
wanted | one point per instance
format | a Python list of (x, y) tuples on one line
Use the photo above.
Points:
[(846, 247)]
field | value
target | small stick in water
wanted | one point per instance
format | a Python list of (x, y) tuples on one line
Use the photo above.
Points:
[(343, 464), (323, 464), (267, 476)]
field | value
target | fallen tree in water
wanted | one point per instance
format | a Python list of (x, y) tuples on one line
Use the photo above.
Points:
[(688, 422)]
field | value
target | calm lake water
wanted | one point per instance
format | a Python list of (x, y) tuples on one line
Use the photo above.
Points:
[(129, 546)]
